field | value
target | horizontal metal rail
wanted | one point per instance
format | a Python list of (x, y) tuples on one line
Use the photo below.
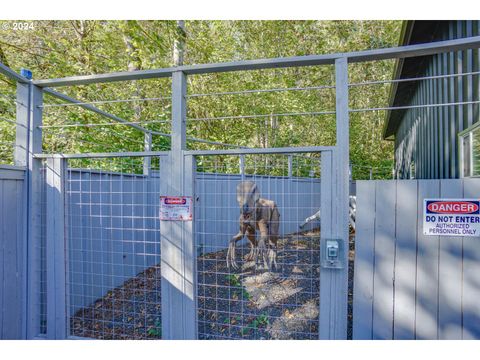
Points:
[(375, 82), (406, 107), (295, 61), (102, 155), (253, 116), (5, 70), (282, 150)]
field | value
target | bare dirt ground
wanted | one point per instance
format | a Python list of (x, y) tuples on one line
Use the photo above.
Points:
[(244, 304)]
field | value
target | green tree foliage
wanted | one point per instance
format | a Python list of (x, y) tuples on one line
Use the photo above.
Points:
[(66, 48)]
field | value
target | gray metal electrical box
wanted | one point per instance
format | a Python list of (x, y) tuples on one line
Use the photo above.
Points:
[(332, 254)]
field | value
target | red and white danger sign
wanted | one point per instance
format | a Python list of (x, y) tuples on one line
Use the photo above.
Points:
[(176, 208), (451, 217)]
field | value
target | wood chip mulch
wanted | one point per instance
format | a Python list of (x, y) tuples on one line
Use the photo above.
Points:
[(250, 303)]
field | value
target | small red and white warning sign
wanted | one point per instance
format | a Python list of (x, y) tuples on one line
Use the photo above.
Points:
[(451, 217), (176, 208)]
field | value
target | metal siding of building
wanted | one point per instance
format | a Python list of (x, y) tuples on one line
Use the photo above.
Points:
[(453, 111), (476, 68), (469, 68), (434, 145)]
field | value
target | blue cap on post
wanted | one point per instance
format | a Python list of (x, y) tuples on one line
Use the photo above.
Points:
[(26, 73)]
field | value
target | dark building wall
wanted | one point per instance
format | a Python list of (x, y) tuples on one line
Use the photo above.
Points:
[(426, 139)]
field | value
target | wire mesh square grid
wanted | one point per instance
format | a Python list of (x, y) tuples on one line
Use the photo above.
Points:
[(39, 257), (253, 301), (113, 244)]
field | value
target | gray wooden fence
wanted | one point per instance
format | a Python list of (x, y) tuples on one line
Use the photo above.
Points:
[(407, 285), (11, 252)]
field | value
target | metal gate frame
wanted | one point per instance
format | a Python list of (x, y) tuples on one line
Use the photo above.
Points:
[(178, 169), (333, 280), (179, 278)]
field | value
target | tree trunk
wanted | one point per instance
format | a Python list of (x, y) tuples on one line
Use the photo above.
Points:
[(134, 63), (179, 44), (3, 57)]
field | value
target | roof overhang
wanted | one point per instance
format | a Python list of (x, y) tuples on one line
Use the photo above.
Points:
[(405, 35), (413, 32)]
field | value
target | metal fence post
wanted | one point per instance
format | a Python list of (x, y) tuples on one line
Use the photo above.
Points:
[(55, 243), (29, 142), (21, 159), (333, 310), (23, 119), (177, 237)]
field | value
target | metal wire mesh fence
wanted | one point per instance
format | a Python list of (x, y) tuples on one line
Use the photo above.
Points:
[(253, 302), (113, 242)]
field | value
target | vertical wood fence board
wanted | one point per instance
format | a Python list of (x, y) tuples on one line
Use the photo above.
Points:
[(364, 260), (405, 260), (341, 204), (384, 260), (21, 258), (450, 273), (178, 256), (12, 246), (190, 266), (10, 271), (168, 256), (36, 279), (426, 306), (56, 261), (325, 314), (471, 271)]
